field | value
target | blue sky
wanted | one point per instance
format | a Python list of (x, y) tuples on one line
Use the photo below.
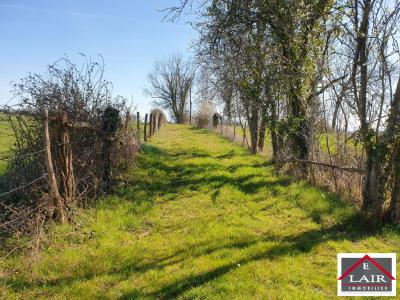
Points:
[(130, 35)]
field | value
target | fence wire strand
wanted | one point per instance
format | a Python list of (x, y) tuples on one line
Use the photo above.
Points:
[(23, 186)]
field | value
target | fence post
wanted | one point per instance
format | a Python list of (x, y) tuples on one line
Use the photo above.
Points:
[(128, 121), (54, 193), (65, 159), (138, 127), (110, 126), (145, 128), (155, 127), (190, 106), (151, 125), (159, 120)]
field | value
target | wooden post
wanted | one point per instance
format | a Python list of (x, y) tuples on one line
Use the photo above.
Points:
[(234, 130), (151, 125), (110, 126), (138, 127), (64, 154), (155, 127), (159, 120), (155, 123), (190, 106), (145, 128), (54, 193), (128, 122)]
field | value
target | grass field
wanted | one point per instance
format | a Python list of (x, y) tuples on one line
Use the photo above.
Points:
[(198, 218), (6, 142)]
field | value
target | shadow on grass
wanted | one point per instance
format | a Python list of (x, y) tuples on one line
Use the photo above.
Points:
[(352, 229), (196, 176), (165, 177), (355, 228), (197, 130)]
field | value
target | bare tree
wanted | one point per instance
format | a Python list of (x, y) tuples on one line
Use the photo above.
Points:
[(170, 82)]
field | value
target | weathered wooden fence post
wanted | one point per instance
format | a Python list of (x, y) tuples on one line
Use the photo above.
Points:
[(128, 122), (155, 127), (151, 125), (190, 107), (138, 127), (54, 192), (145, 128), (159, 120), (64, 156), (110, 126)]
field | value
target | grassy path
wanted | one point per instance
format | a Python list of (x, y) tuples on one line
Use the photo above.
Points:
[(199, 218)]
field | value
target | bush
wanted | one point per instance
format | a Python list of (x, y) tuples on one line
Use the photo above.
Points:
[(216, 119), (95, 124), (204, 114)]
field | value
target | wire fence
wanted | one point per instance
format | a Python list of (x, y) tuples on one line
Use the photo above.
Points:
[(59, 137), (334, 163)]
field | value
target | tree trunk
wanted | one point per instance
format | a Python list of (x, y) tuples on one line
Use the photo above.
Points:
[(395, 199), (253, 127), (383, 164), (374, 184), (263, 127), (274, 132), (300, 134), (393, 129), (145, 128), (335, 114)]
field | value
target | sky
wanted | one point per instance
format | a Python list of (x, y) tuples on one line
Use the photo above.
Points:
[(129, 34)]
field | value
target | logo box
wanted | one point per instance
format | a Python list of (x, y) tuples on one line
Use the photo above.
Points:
[(366, 274)]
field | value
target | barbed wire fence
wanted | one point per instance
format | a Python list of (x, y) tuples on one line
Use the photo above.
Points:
[(334, 163), (49, 181), (50, 178)]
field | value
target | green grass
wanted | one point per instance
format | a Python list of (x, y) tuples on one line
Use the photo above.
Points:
[(330, 141), (198, 218), (6, 141), (267, 151)]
